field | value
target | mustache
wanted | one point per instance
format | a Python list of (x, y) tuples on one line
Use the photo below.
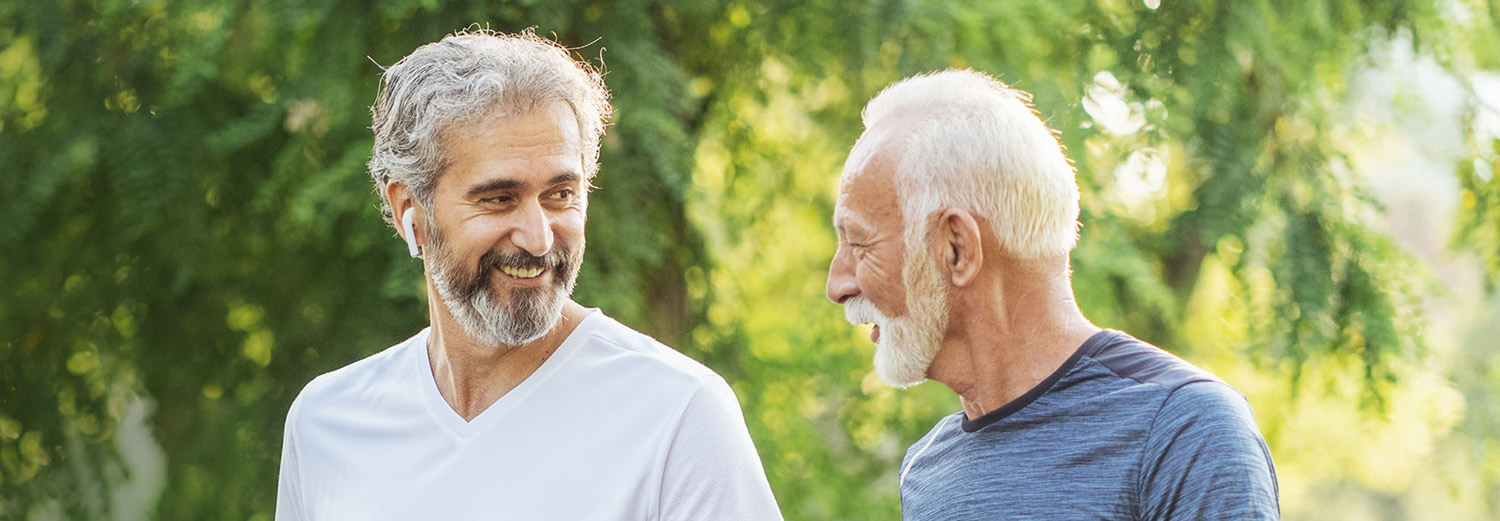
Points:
[(559, 260), (860, 311)]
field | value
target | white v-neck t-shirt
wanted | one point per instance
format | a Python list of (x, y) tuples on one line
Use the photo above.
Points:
[(614, 425)]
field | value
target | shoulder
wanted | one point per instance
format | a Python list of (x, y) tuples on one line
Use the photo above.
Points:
[(1193, 401), (946, 429), (1190, 394), (1205, 458), (1207, 424), (1209, 407), (1142, 362), (634, 352), (358, 381), (1212, 395)]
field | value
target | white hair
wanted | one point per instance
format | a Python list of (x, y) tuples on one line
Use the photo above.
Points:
[(977, 144), (467, 76)]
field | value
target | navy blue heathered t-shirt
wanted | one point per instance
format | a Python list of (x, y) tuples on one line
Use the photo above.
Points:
[(1122, 431)]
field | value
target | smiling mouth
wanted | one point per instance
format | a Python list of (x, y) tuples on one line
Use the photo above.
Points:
[(522, 273)]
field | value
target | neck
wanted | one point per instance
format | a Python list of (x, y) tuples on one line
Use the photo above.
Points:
[(471, 375), (1009, 332)]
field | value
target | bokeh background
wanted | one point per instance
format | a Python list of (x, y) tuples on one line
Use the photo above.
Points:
[(1297, 195)]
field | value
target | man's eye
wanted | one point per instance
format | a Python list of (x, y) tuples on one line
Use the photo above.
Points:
[(499, 199), (566, 193)]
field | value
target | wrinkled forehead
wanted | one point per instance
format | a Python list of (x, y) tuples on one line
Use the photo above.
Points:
[(875, 158), (869, 195)]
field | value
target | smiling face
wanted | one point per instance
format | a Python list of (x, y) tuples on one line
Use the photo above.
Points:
[(506, 233), (880, 276), (871, 252)]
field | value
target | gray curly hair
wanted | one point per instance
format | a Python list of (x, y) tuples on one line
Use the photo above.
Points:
[(467, 76)]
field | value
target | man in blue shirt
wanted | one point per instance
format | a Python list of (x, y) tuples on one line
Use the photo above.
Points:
[(956, 214)]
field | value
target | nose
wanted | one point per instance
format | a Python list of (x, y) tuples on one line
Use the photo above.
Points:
[(534, 231), (841, 283)]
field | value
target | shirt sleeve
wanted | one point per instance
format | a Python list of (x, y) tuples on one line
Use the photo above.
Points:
[(712, 470), (1205, 459), (289, 484)]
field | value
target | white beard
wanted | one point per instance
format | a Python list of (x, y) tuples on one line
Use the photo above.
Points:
[(908, 343)]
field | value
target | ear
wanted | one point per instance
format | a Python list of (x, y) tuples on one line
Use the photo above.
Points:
[(963, 251), (401, 201)]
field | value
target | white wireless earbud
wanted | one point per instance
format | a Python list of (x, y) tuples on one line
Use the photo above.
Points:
[(411, 235)]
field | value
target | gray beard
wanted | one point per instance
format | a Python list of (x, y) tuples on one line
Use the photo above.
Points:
[(531, 314), (477, 306)]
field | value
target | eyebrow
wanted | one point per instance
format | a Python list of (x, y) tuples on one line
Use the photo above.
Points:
[(846, 229), (565, 177), (511, 184)]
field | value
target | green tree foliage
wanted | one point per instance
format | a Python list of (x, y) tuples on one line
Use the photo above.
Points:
[(187, 217)]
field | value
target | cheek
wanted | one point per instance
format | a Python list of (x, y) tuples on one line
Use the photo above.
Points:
[(568, 232), (881, 280), (569, 226), (474, 237)]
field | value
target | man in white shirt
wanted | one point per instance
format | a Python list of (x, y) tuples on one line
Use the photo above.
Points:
[(517, 403)]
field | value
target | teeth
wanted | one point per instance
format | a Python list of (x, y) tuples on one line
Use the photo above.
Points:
[(521, 273)]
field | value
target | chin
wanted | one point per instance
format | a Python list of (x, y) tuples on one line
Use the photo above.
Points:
[(902, 366)]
